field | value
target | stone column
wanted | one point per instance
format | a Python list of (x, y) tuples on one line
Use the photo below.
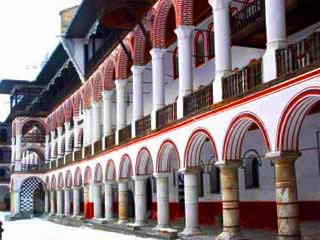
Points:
[(286, 195), (47, 148), (162, 200), (140, 199), (276, 36), (107, 112), (67, 203), (121, 86), (60, 202), (46, 201), (184, 34), (222, 42), (76, 130), (158, 94), (230, 200), (108, 200), (191, 202), (16, 201), (96, 108), (18, 151), (76, 201), (53, 202), (97, 208), (123, 201)]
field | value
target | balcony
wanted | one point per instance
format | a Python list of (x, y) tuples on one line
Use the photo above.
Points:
[(166, 115), (242, 80), (304, 54), (109, 141), (125, 134), (97, 146), (197, 101), (143, 126)]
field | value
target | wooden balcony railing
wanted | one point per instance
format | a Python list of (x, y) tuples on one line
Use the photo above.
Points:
[(298, 55), (60, 162), (198, 100), (78, 155), (125, 134), (110, 141), (34, 167), (243, 80), (166, 115), (247, 16), (97, 146), (53, 164), (143, 126), (69, 158), (88, 151)]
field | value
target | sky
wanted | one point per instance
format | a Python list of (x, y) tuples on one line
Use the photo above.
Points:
[(29, 32)]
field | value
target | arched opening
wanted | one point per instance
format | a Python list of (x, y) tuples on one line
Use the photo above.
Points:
[(33, 131), (210, 42), (251, 163), (32, 196), (199, 49), (175, 61), (110, 176)]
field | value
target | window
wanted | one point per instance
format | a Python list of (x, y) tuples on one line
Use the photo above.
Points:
[(175, 64), (199, 48), (215, 186), (252, 173), (210, 42)]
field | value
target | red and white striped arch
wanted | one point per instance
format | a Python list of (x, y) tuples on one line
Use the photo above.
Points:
[(168, 157), (125, 170), (110, 171), (292, 118), (98, 174), (144, 164), (78, 177), (194, 145), (232, 145), (87, 176), (68, 179)]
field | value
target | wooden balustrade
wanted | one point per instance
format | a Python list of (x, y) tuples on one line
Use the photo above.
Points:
[(198, 100), (247, 16), (110, 141), (87, 151), (125, 134), (78, 155), (166, 115), (143, 126), (298, 55), (69, 158), (53, 164), (97, 146), (243, 80), (60, 162)]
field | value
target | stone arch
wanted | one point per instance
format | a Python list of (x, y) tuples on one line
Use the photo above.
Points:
[(140, 49), (292, 118), (87, 176), (77, 98), (33, 122), (144, 164), (232, 146), (60, 181), (87, 94), (110, 171), (123, 64), (28, 202), (78, 177), (168, 157), (53, 182), (98, 174), (125, 170), (68, 179), (97, 87), (109, 74), (196, 141), (60, 116), (68, 110)]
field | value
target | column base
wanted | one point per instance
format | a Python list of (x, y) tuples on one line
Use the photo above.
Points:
[(140, 224), (231, 236), (159, 226), (122, 221), (191, 231), (79, 218), (289, 238), (99, 220)]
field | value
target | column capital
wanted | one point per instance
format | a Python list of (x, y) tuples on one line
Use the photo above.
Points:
[(123, 181), (107, 94), (121, 83), (229, 164), (109, 182), (98, 184), (280, 156), (190, 170), (77, 187), (219, 4), (67, 188), (96, 104), (161, 175), (157, 53), (140, 178), (136, 69), (184, 32)]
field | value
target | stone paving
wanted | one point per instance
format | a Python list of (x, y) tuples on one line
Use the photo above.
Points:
[(310, 230)]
